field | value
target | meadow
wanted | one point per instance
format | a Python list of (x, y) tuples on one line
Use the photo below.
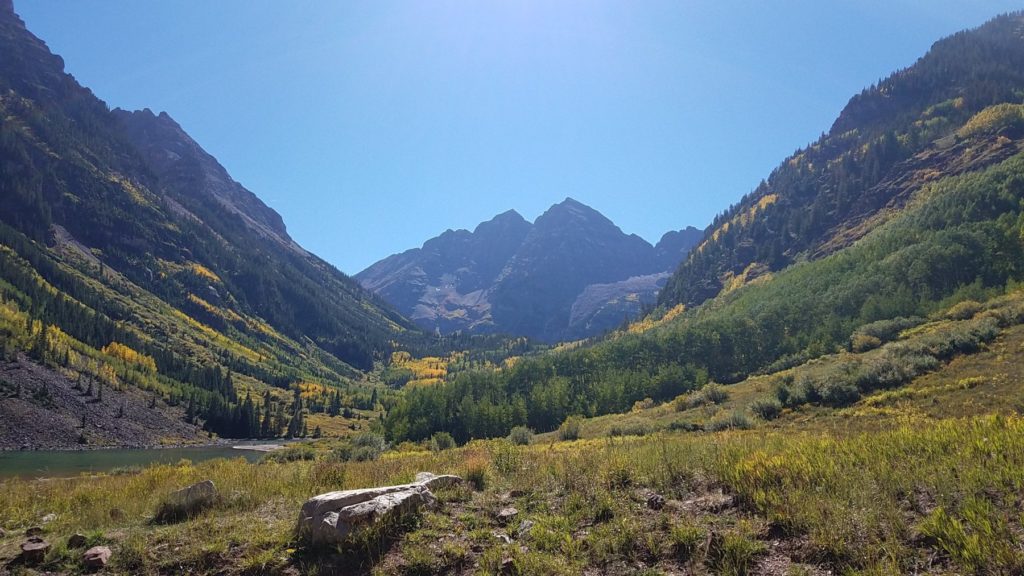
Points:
[(942, 497)]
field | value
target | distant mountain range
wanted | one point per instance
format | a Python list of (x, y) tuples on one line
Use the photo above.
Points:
[(571, 274)]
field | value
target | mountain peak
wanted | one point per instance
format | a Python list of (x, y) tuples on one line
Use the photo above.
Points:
[(507, 219)]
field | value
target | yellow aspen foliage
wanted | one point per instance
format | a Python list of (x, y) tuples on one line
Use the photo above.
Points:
[(129, 356)]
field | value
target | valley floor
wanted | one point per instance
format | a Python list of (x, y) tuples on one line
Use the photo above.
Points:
[(937, 498)]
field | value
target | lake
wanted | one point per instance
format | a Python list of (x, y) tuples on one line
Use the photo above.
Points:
[(64, 463)]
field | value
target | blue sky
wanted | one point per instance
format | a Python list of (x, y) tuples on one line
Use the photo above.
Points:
[(374, 125)]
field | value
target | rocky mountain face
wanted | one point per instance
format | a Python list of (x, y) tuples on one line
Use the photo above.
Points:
[(572, 273)]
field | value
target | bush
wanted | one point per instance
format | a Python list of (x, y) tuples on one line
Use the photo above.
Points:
[(293, 453), (715, 393), (521, 436), (710, 394), (767, 408), (363, 448), (839, 393), (442, 441), (735, 419), (864, 342), (641, 405), (885, 330), (570, 429), (685, 426), (964, 310)]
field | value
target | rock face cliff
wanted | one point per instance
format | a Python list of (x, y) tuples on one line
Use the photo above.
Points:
[(573, 273)]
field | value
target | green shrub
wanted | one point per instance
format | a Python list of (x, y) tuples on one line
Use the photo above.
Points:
[(685, 426), (863, 342), (292, 453), (964, 310), (714, 393), (735, 419), (521, 436), (570, 429), (363, 448), (766, 408), (886, 330), (442, 441), (634, 429)]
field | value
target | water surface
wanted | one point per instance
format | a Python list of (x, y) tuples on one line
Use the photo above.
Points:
[(64, 463)]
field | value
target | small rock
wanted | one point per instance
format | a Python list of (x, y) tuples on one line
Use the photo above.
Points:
[(33, 550), (76, 541), (96, 557), (524, 528), (508, 566), (49, 518), (655, 501), (507, 514), (34, 531), (502, 537)]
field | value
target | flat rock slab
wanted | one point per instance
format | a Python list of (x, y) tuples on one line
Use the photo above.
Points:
[(333, 518)]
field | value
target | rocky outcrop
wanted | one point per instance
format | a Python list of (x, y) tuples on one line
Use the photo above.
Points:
[(332, 519)]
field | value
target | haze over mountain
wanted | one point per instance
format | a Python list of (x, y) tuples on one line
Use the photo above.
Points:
[(572, 273)]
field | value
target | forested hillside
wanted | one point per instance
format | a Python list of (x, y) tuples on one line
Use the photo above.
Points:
[(888, 141), (129, 259)]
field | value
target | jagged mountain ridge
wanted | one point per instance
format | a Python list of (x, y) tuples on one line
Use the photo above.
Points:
[(539, 280)]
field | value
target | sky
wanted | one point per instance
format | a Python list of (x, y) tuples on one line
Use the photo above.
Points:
[(373, 125)]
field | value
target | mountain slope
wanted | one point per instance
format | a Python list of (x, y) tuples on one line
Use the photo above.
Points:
[(515, 277), (129, 257), (887, 142)]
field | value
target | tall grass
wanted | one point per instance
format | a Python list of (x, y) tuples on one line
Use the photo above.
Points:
[(872, 502)]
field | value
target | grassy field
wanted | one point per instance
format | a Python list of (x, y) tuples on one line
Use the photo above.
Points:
[(937, 498)]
